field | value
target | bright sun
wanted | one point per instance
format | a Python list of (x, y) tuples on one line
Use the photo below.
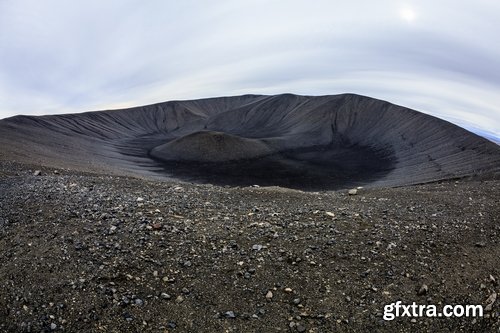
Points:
[(408, 14)]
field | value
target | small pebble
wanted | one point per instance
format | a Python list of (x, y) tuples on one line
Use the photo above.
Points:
[(423, 290), (229, 314)]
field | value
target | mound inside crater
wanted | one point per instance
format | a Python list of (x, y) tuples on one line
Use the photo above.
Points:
[(210, 146)]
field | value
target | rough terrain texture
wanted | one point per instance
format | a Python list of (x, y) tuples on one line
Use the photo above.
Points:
[(304, 142), (94, 253), (102, 230)]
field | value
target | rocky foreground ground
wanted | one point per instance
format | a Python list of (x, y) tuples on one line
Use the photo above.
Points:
[(93, 253)]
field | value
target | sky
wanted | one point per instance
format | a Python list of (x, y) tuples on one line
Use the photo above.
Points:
[(438, 57)]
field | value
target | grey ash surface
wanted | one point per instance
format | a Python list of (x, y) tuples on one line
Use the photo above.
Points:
[(84, 252)]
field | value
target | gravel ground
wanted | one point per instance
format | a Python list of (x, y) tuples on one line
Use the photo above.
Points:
[(94, 253)]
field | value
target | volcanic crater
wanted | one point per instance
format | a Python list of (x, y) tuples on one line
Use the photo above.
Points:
[(304, 142)]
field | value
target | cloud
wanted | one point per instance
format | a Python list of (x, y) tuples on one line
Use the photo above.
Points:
[(59, 56)]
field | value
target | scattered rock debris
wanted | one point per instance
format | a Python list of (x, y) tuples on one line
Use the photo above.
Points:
[(95, 253)]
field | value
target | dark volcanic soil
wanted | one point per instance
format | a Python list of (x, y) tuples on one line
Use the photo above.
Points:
[(93, 253)]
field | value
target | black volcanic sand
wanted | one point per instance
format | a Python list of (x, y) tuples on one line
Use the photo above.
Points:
[(303, 142), (83, 252), (312, 168)]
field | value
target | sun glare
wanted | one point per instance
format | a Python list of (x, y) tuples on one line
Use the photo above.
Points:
[(408, 14)]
